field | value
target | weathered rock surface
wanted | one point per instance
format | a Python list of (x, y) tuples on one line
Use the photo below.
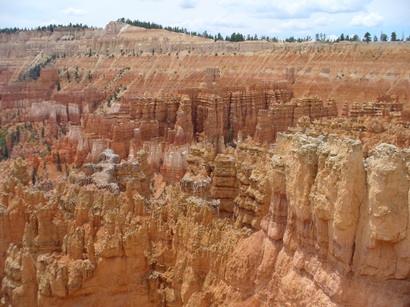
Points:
[(148, 168), (323, 225)]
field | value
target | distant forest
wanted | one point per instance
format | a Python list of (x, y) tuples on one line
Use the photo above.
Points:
[(234, 37), (239, 37), (48, 28)]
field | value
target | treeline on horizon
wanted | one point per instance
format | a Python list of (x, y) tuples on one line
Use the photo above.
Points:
[(239, 37), (48, 28), (234, 37)]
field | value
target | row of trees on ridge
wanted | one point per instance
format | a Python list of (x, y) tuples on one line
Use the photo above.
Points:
[(234, 37)]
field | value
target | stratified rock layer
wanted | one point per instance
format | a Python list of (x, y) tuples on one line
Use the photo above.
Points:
[(317, 223), (149, 168)]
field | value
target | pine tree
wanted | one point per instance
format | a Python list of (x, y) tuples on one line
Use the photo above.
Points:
[(383, 37), (393, 37), (367, 37), (16, 138), (5, 152), (58, 162), (34, 175)]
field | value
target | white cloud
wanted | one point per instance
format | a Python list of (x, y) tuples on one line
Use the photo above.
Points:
[(49, 22), (301, 25), (71, 11), (366, 20), (225, 21), (188, 4), (295, 9)]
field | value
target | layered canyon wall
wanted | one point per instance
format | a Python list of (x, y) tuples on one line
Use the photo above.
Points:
[(148, 168)]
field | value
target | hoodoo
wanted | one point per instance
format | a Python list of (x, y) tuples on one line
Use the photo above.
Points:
[(146, 167)]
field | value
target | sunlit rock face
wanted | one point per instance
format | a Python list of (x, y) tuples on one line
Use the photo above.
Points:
[(315, 216), (149, 168)]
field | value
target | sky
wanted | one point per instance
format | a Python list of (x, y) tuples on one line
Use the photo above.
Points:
[(281, 18)]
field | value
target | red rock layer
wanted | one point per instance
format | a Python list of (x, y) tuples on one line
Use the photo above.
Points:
[(306, 228)]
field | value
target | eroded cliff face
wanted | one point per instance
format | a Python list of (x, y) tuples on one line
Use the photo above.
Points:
[(147, 168), (310, 222), (82, 70), (127, 88)]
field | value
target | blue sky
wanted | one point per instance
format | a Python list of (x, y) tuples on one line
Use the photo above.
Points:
[(265, 17)]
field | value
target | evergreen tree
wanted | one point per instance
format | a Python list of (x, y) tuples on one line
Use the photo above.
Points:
[(367, 37), (383, 37), (17, 135), (5, 152), (34, 175), (393, 37), (237, 37), (76, 73), (58, 163), (375, 39)]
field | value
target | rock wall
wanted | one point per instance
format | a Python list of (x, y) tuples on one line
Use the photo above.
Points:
[(316, 223), (97, 67), (156, 171), (177, 121)]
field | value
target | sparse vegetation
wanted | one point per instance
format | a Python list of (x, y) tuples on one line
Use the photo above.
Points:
[(234, 37), (4, 152), (367, 37), (33, 72), (48, 28), (383, 37), (393, 37)]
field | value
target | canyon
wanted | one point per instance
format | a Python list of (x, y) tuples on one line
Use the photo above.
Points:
[(151, 168)]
